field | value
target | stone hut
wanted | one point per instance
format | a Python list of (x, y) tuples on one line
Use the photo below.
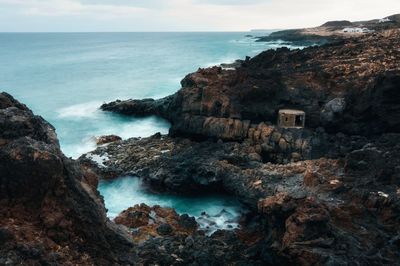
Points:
[(291, 118)]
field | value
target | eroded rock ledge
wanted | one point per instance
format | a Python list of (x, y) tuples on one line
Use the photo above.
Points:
[(349, 87), (324, 195), (52, 214), (323, 211)]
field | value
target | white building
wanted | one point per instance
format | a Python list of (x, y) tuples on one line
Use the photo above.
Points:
[(356, 30), (383, 20)]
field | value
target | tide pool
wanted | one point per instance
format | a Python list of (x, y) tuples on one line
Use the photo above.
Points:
[(212, 212)]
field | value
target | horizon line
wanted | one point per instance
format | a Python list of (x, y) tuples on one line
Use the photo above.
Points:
[(248, 31)]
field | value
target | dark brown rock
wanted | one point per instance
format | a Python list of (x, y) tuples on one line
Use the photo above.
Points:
[(155, 221), (50, 215), (107, 139), (339, 86)]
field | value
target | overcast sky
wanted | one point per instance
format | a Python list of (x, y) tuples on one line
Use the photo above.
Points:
[(183, 15)]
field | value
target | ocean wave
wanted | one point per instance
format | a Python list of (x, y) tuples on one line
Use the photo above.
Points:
[(99, 124), (144, 127), (224, 60), (249, 41), (280, 43), (77, 149), (211, 213), (83, 110)]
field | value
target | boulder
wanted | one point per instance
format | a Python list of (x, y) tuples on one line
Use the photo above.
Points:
[(332, 110), (107, 139)]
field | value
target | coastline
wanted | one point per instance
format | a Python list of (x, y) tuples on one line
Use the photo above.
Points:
[(316, 169), (324, 194)]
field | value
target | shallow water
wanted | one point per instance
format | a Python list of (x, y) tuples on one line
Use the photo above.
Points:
[(221, 212)]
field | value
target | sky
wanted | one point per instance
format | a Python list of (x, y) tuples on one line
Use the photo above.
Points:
[(183, 15)]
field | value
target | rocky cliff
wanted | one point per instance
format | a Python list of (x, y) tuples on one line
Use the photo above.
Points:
[(50, 212), (320, 212), (349, 87), (327, 194), (323, 195)]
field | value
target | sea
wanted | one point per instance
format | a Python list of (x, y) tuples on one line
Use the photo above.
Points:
[(65, 77)]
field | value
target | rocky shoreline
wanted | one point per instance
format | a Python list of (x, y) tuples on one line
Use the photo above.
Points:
[(332, 31), (326, 194), (313, 187)]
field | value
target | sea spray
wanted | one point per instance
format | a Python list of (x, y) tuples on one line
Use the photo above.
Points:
[(212, 212)]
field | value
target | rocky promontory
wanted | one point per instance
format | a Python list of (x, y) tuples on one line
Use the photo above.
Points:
[(332, 31), (349, 87), (324, 194)]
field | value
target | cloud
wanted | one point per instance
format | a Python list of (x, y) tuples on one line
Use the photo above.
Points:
[(231, 2), (183, 15), (70, 8), (151, 4)]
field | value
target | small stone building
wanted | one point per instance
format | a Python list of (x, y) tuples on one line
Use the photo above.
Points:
[(291, 118)]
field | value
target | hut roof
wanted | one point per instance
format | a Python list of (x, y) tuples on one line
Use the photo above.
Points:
[(291, 111)]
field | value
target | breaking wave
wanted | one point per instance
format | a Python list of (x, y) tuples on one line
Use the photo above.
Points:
[(212, 212)]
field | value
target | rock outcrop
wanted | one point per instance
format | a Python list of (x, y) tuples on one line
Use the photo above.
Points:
[(107, 139), (146, 222), (315, 211), (49, 215), (332, 31), (324, 195), (52, 214), (349, 87)]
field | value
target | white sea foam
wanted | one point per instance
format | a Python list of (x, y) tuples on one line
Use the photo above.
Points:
[(211, 212), (248, 41), (99, 159), (83, 110), (77, 149), (224, 220), (143, 127), (259, 47)]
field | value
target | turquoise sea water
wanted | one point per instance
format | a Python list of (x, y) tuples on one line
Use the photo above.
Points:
[(211, 211), (65, 77)]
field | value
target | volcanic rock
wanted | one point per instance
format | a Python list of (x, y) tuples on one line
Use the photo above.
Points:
[(107, 139), (50, 214), (155, 221), (346, 87)]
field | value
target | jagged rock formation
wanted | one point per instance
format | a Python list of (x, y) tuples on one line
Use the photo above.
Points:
[(107, 139), (349, 87), (325, 195), (156, 221), (49, 213), (320, 211), (362, 73), (309, 209)]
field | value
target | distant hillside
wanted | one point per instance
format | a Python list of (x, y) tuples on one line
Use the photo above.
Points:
[(395, 18), (333, 30), (338, 23)]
